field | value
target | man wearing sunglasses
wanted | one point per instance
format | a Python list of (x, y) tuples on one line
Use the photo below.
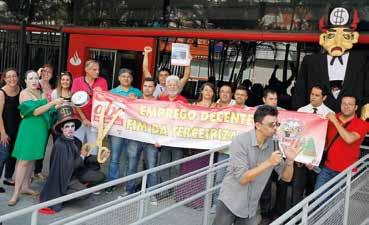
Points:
[(270, 98), (252, 160)]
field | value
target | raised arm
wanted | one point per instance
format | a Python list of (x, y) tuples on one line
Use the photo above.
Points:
[(253, 173), (145, 63), (300, 95), (186, 74), (347, 136), (40, 110)]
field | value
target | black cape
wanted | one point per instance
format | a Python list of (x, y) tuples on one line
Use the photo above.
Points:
[(65, 158)]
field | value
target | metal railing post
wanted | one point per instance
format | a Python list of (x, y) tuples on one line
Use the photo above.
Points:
[(347, 197), (34, 217), (142, 202), (142, 196), (304, 219), (208, 197)]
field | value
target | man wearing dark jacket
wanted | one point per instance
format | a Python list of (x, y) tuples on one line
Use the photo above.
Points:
[(71, 169)]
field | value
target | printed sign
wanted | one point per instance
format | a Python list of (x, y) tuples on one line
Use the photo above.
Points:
[(181, 125)]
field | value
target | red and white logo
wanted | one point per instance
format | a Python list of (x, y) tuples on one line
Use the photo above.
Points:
[(75, 60)]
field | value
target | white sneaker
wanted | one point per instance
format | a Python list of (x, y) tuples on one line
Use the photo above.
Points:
[(97, 193), (213, 209), (122, 195)]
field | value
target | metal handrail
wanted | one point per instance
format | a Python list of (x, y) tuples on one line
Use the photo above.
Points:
[(314, 200), (148, 194), (143, 174)]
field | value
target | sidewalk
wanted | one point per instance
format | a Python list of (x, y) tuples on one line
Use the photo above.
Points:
[(26, 201)]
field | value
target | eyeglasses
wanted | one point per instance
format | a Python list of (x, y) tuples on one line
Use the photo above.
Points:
[(273, 124), (47, 71)]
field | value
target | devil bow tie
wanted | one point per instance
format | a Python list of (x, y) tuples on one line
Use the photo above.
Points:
[(336, 57)]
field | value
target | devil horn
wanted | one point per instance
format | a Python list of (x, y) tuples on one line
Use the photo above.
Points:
[(355, 20), (322, 26)]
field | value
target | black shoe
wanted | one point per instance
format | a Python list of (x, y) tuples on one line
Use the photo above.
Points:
[(6, 182), (265, 221), (110, 190), (166, 194), (2, 190)]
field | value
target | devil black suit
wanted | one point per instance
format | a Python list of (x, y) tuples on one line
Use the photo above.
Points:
[(314, 70), (68, 170)]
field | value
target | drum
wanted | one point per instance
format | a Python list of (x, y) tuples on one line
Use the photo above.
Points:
[(80, 99)]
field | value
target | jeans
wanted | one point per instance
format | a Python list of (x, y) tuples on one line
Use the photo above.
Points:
[(220, 174), (11, 161), (224, 216), (167, 155), (117, 146), (324, 176), (4, 156), (134, 150)]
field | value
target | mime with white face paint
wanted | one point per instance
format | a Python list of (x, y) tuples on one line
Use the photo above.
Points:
[(70, 167)]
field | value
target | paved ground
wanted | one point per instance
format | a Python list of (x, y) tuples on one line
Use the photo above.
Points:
[(181, 215), (26, 201)]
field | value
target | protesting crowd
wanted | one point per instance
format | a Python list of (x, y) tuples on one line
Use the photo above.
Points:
[(38, 111)]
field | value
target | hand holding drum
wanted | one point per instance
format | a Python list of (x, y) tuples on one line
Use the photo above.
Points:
[(78, 99)]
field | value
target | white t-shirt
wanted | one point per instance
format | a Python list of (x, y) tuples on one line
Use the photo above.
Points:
[(54, 94), (321, 110), (232, 102), (158, 90)]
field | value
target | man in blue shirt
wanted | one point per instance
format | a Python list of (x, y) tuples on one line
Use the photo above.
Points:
[(125, 88), (118, 144)]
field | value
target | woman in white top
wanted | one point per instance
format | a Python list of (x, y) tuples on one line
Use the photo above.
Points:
[(63, 88)]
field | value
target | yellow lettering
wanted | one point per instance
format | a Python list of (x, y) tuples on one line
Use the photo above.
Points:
[(204, 116)]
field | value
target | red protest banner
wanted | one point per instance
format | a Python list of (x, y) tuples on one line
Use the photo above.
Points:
[(182, 125)]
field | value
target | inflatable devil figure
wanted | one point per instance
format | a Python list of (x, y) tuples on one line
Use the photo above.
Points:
[(340, 70)]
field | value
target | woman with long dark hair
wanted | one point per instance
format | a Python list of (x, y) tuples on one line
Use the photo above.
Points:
[(206, 96), (63, 87), (9, 122)]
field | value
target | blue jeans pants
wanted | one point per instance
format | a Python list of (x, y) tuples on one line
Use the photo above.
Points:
[(150, 153), (167, 155), (118, 146), (324, 176), (4, 156)]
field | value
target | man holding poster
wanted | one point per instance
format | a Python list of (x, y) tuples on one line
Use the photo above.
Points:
[(136, 148), (252, 160), (345, 134), (170, 154), (304, 177), (160, 88)]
